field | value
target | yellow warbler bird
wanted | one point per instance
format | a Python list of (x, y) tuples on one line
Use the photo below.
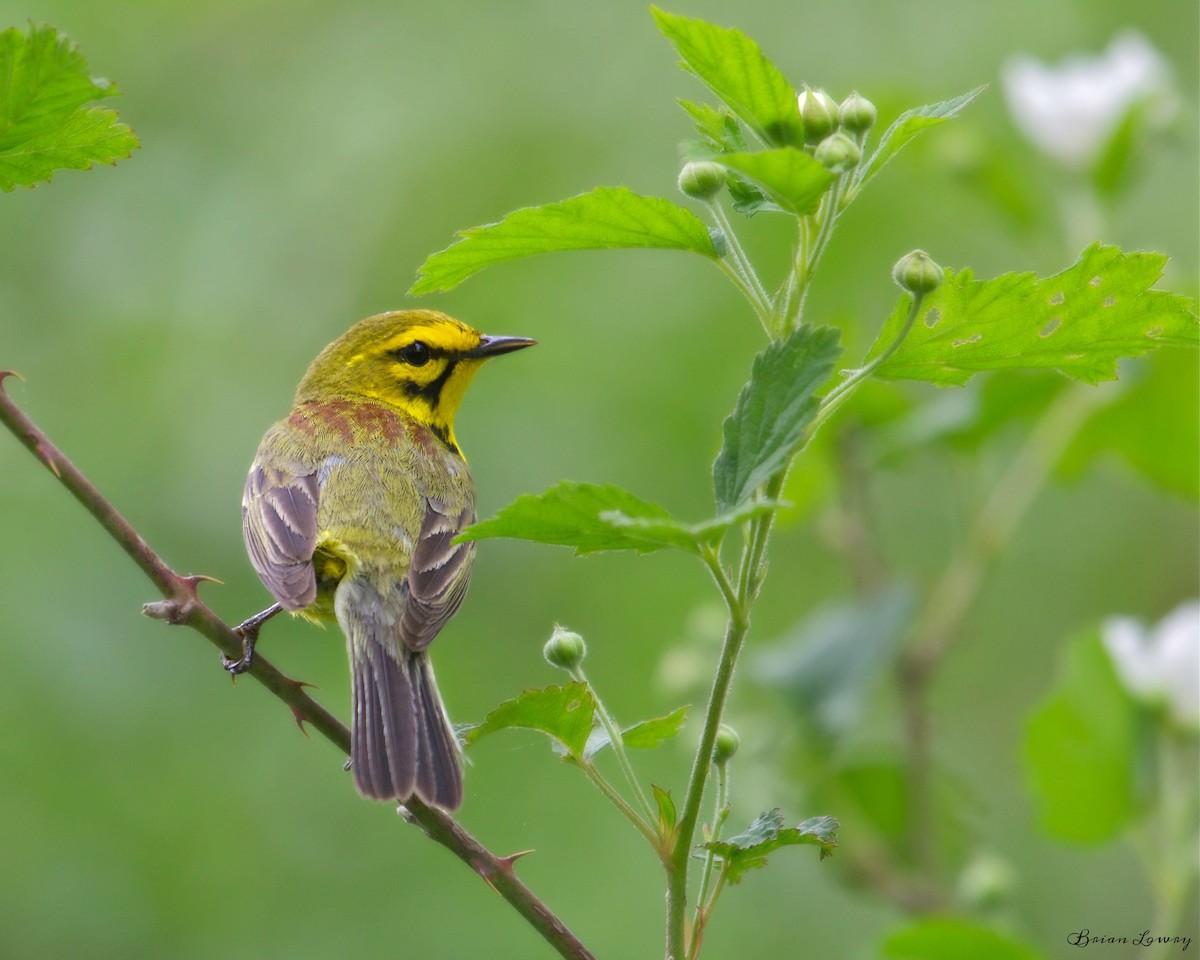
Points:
[(350, 512)]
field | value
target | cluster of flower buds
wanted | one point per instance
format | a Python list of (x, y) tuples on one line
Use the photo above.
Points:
[(834, 132)]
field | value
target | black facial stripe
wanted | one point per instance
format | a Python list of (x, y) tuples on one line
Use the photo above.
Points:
[(431, 391), (434, 352), (442, 434)]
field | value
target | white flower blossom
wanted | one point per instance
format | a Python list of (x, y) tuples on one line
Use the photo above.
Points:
[(1160, 664), (1071, 111)]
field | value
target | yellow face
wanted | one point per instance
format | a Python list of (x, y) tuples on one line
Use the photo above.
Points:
[(420, 361)]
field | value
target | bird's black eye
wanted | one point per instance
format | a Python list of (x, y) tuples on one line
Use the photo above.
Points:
[(416, 354)]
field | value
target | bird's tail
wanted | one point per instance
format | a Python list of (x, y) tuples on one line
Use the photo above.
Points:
[(401, 741)]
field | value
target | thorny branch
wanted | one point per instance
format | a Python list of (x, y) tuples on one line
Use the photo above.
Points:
[(182, 606)]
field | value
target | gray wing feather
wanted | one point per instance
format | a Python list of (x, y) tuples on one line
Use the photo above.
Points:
[(279, 522), (438, 575)]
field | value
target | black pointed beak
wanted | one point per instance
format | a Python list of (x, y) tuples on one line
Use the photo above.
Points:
[(494, 346)]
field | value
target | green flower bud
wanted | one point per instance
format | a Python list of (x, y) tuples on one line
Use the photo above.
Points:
[(857, 114), (917, 273), (818, 113), (565, 649), (726, 745), (701, 179), (988, 881), (837, 153)]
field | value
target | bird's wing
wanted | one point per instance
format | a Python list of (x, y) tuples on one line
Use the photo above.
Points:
[(438, 574), (279, 522)]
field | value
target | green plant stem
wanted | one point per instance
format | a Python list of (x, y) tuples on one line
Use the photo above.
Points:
[(183, 606), (827, 216), (1167, 842), (703, 904), (617, 742), (749, 579), (614, 797), (739, 269), (939, 624)]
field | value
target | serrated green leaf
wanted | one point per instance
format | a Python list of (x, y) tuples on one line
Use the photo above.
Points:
[(949, 938), (717, 128), (690, 536), (641, 736), (593, 518), (44, 123), (607, 218), (793, 180), (565, 713), (737, 71), (569, 514), (1080, 748), (908, 125), (1079, 322), (749, 849), (773, 409)]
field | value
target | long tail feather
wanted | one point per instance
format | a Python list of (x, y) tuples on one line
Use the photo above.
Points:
[(401, 741)]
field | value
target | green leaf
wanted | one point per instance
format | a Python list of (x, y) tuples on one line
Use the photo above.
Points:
[(565, 713), (1151, 424), (947, 938), (641, 736), (717, 128), (748, 850), (1079, 322), (829, 665), (793, 180), (1080, 748), (773, 409), (606, 218), (691, 536), (908, 125), (735, 69), (666, 809), (570, 514), (593, 518), (44, 123)]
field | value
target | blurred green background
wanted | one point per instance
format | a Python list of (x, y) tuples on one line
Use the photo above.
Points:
[(299, 160)]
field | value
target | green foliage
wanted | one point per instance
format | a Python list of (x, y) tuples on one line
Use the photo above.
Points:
[(773, 411), (1079, 322), (749, 849), (606, 218), (946, 938), (594, 518), (1152, 424), (45, 124), (1080, 748), (829, 664), (564, 713), (735, 69), (907, 126), (793, 180), (640, 736)]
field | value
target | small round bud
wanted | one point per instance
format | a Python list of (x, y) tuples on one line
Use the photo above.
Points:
[(917, 273), (857, 114), (565, 649), (818, 113), (837, 153), (701, 179), (726, 745), (987, 881)]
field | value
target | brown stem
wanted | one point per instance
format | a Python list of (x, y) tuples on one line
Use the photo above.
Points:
[(183, 606)]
